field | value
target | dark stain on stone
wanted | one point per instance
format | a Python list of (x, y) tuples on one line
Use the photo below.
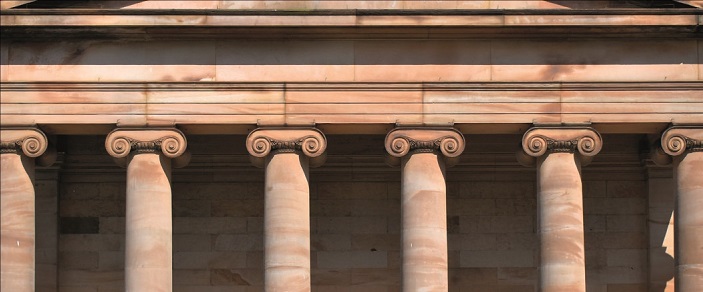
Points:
[(453, 224), (232, 277)]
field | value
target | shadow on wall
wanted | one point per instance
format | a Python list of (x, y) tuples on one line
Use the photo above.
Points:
[(48, 4), (662, 200), (348, 52), (599, 4)]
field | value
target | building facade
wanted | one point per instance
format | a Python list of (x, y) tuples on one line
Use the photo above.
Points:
[(351, 146)]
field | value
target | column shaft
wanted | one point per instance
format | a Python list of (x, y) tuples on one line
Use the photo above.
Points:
[(148, 247), (424, 223), (287, 223), (688, 223), (17, 215), (560, 220)]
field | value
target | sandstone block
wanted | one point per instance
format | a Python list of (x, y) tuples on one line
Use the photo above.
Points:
[(239, 242), (192, 242), (500, 258), (330, 242), (351, 259), (236, 277), (78, 260), (331, 277)]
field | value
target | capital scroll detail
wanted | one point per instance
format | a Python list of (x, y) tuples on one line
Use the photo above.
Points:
[(32, 142), (543, 140), (121, 142), (676, 141), (310, 142), (403, 141)]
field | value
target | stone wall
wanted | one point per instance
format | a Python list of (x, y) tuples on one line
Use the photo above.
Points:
[(355, 209)]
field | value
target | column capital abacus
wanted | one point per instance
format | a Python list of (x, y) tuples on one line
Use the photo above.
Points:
[(403, 141), (170, 142), (539, 141), (310, 142), (31, 142), (678, 140)]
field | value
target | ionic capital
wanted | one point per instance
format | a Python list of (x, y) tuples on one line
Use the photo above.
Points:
[(306, 141), (678, 140), (32, 142), (403, 141), (168, 141), (543, 140)]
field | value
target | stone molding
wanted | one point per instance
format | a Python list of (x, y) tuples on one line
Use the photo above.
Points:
[(539, 141), (170, 142), (310, 142), (403, 141), (32, 142)]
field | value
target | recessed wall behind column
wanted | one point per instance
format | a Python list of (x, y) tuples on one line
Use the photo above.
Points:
[(355, 223)]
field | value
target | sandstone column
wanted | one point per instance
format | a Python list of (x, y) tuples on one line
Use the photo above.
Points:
[(147, 154), (685, 144), (559, 154), (286, 155), (423, 155), (18, 149)]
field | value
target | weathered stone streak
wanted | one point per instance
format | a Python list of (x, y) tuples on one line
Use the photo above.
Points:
[(148, 248), (560, 205), (689, 223), (424, 223), (287, 223), (18, 217)]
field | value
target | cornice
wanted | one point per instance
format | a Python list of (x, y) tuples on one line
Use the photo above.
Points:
[(437, 12), (347, 24)]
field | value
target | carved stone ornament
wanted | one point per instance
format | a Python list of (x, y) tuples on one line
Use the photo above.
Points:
[(543, 140), (403, 141), (307, 141), (679, 140), (32, 142), (167, 141)]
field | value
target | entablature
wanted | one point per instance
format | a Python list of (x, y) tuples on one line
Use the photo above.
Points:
[(340, 108), (349, 23)]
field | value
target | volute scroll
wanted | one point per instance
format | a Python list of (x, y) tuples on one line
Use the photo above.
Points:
[(403, 141), (678, 140), (170, 142), (31, 141), (310, 142), (539, 141)]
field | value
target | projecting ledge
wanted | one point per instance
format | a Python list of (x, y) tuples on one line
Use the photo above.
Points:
[(349, 18)]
